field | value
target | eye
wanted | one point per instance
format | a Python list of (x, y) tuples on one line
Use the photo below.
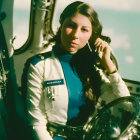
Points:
[(70, 25), (85, 30)]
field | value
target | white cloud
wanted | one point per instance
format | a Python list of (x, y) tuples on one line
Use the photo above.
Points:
[(21, 34), (19, 40), (120, 5), (117, 40), (22, 4), (129, 59)]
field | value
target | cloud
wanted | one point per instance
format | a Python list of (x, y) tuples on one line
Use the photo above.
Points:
[(119, 41), (119, 5), (129, 59), (19, 41), (21, 34), (22, 5)]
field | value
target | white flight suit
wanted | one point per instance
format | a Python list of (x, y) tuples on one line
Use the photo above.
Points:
[(47, 94)]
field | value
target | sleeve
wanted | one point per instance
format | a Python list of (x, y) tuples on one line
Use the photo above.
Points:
[(112, 89), (35, 107)]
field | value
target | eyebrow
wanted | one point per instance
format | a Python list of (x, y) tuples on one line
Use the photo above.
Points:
[(69, 19)]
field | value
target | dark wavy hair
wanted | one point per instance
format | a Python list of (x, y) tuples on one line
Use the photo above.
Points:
[(85, 60), (86, 10)]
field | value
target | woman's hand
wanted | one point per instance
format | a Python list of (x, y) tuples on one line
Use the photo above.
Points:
[(104, 49)]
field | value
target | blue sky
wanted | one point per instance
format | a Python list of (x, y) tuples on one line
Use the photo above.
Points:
[(123, 28), (120, 20)]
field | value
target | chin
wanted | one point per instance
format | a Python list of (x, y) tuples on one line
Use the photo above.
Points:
[(72, 52)]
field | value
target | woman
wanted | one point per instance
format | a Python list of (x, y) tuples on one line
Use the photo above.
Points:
[(64, 86)]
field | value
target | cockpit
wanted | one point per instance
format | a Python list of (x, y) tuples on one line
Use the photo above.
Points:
[(25, 29)]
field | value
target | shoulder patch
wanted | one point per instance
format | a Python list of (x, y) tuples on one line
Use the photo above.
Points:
[(39, 57)]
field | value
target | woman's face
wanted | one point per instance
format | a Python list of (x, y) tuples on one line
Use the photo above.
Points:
[(75, 33)]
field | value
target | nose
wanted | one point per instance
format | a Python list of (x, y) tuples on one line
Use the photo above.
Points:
[(76, 33)]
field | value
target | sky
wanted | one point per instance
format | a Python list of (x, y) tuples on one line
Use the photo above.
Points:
[(120, 20)]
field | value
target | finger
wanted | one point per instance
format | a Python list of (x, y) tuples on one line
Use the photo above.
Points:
[(101, 48), (101, 45), (105, 45), (98, 42), (107, 48)]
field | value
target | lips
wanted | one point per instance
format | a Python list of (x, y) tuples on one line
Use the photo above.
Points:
[(73, 43)]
